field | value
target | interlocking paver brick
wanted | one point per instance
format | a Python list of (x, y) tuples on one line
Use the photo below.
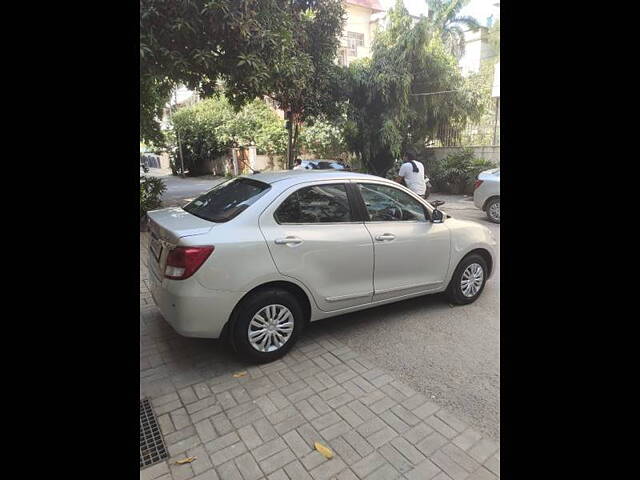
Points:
[(265, 430), (325, 379), (372, 397), (467, 439), (202, 390), (381, 380), (460, 457), (312, 460), (368, 464), (278, 475), (493, 464), (206, 413), (417, 433), (425, 471), (394, 422), (179, 435), (335, 430), (482, 474), (410, 452), (183, 445), (296, 471), (155, 471), (307, 410), (205, 430), (180, 418), (340, 400), (308, 434), (322, 363), (332, 392), (269, 448), (328, 470), (349, 416), (240, 395), (319, 405), (181, 472), (247, 418), (346, 475), (226, 400), (208, 475), (393, 392), (447, 465), (431, 443), (405, 415), (386, 472), (483, 449), (240, 410), (221, 442), (358, 442), (229, 471), (282, 414), (345, 451), (455, 423), (167, 407), (250, 437), (165, 423), (290, 423), (393, 456), (361, 410), (201, 404), (222, 424), (277, 379), (228, 453), (164, 399), (325, 420), (382, 405), (381, 437), (296, 443), (441, 427), (248, 467), (187, 395), (266, 405), (425, 410), (202, 462), (276, 461), (293, 388)]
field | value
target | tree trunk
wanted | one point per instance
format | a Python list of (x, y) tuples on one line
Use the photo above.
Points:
[(294, 144)]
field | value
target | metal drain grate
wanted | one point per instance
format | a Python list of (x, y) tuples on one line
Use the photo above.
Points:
[(152, 448)]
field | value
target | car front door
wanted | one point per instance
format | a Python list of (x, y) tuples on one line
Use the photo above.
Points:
[(411, 253), (316, 236)]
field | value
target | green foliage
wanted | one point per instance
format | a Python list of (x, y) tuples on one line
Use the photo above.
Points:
[(281, 48), (209, 128), (383, 115), (450, 25), (457, 172), (323, 138), (151, 190)]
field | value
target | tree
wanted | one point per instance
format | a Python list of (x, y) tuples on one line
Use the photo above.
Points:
[(444, 16), (387, 108), (323, 138), (280, 48)]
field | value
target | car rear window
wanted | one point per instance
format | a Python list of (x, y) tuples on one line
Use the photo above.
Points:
[(227, 200)]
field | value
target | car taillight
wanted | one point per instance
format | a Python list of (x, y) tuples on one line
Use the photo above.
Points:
[(182, 262), (477, 184)]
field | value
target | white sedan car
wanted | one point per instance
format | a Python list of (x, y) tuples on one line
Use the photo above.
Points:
[(258, 257), (486, 194)]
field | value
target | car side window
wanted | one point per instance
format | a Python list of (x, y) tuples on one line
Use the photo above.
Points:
[(316, 204), (389, 204)]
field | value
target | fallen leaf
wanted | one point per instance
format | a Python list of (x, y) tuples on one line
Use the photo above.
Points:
[(186, 460), (239, 374), (326, 451)]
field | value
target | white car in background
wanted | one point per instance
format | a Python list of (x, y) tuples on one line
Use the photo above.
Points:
[(486, 194)]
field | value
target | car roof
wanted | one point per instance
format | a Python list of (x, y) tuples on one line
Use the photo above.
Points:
[(300, 176)]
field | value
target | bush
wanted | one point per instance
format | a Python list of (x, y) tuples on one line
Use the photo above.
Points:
[(457, 172), (151, 190)]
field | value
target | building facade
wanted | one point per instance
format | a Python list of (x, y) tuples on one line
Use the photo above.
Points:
[(362, 20)]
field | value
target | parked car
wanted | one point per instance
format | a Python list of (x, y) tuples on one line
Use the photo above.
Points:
[(258, 257), (323, 165), (486, 193)]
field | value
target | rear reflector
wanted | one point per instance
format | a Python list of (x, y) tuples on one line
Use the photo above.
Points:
[(182, 262), (477, 184)]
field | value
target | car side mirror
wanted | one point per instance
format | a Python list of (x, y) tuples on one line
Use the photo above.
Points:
[(437, 216)]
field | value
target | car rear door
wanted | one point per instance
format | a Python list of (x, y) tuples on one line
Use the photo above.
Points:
[(411, 253), (316, 236)]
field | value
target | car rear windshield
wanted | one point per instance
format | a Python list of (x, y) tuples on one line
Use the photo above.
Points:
[(227, 200)]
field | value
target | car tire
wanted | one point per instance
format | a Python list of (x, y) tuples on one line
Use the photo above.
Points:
[(493, 210), (265, 307), (466, 268)]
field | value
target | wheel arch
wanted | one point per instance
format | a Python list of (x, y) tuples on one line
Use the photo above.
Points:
[(486, 202), (484, 253), (291, 287)]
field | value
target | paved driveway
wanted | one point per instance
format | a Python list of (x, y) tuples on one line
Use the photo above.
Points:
[(452, 355)]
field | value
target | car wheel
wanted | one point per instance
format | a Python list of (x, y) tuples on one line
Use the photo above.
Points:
[(468, 280), (267, 325), (493, 210)]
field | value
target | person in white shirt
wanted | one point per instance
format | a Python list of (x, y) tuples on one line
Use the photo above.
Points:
[(411, 174), (298, 165)]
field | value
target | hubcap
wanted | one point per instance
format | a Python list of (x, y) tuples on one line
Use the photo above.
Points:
[(494, 211), (270, 328), (472, 280)]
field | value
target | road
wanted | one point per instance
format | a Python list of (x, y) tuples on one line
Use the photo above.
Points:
[(452, 354)]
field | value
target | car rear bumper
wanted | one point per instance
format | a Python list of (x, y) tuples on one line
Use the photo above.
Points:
[(191, 309)]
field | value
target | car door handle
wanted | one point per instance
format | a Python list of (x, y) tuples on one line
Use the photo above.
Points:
[(385, 237), (288, 241)]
